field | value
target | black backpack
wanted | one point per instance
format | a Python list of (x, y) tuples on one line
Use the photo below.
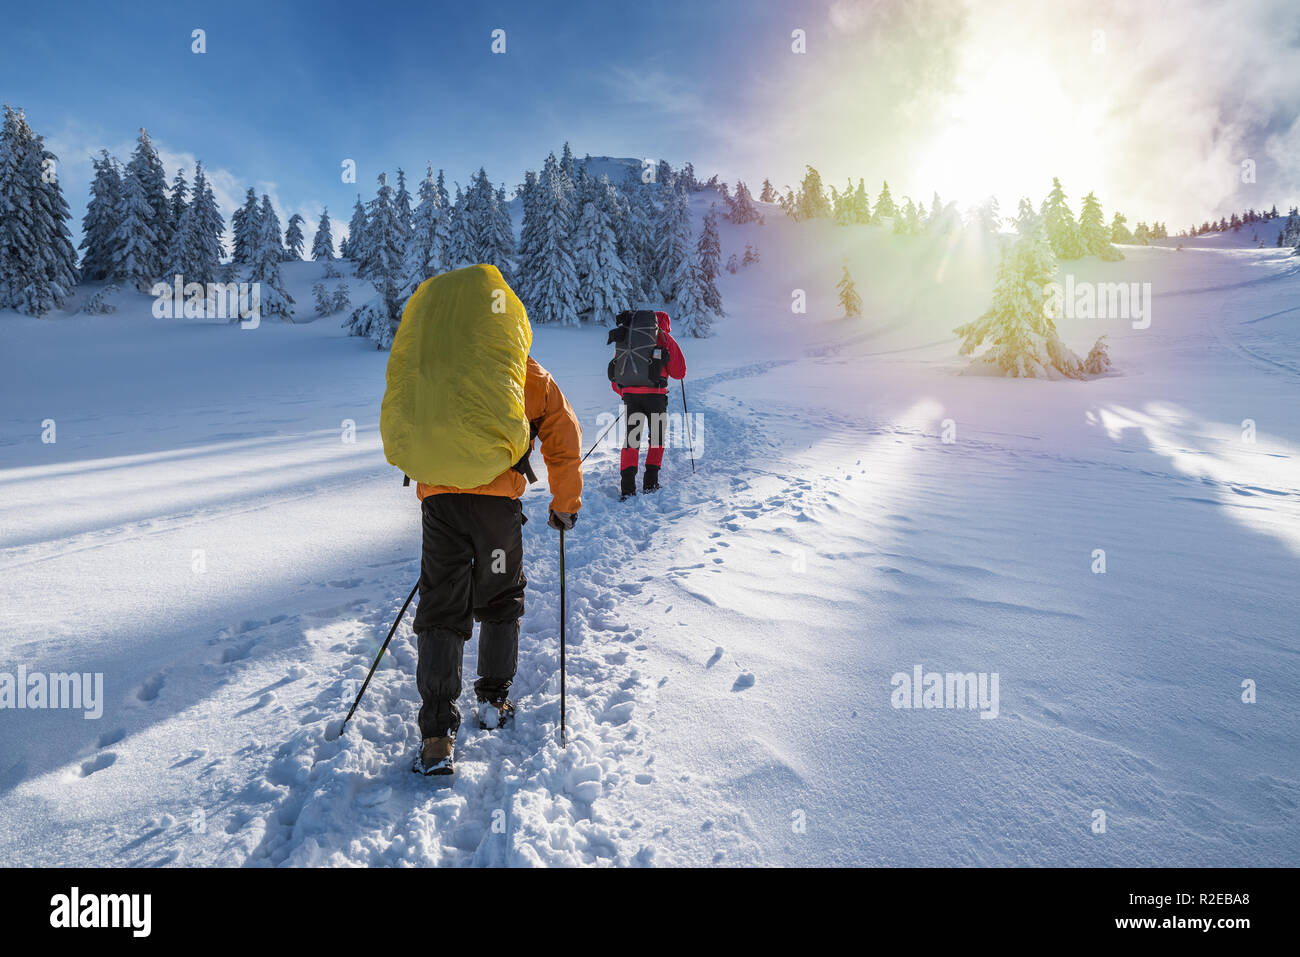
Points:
[(637, 358)]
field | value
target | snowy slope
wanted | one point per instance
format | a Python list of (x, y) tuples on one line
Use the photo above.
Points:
[(731, 640)]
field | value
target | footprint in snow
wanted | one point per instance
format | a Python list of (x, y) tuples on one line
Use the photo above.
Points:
[(717, 656), (97, 763), (746, 680)]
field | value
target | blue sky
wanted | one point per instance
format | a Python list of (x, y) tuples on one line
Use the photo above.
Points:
[(966, 97)]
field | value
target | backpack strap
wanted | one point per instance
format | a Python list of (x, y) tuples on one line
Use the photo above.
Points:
[(524, 467)]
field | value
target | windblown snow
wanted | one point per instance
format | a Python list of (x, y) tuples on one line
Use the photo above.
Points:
[(202, 535)]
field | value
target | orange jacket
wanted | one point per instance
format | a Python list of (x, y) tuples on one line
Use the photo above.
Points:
[(561, 435)]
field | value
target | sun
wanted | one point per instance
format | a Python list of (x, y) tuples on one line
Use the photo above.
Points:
[(1007, 128)]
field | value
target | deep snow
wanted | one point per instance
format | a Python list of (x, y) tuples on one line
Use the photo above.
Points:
[(731, 639)]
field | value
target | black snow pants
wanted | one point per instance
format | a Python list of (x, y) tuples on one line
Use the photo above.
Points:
[(471, 568)]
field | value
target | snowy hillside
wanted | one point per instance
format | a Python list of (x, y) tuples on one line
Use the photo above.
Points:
[(202, 533)]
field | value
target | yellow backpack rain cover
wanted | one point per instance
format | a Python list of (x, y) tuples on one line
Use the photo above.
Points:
[(453, 411)]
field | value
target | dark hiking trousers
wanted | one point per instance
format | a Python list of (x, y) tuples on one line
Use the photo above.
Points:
[(471, 568)]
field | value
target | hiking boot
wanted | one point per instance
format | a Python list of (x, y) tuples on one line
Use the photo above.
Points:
[(495, 714), (435, 755), (650, 481), (628, 488)]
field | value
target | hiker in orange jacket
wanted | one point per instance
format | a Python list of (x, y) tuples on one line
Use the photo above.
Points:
[(472, 569)]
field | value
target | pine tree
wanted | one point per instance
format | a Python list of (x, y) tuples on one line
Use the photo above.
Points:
[(1022, 338), (402, 205), (1093, 234), (322, 245), (861, 204), (1119, 231), (742, 206), (768, 195), (426, 245), (499, 235), (530, 243), (134, 242), (357, 233), (100, 223), (294, 239), (812, 202), (273, 299), (178, 201), (849, 298), (385, 248), (885, 208), (207, 227), (1142, 235), (673, 252), (37, 260), (603, 282), (147, 168), (555, 288), (461, 249), (708, 257), (1062, 231), (987, 216), (246, 225)]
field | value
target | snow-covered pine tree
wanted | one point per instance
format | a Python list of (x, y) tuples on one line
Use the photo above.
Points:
[(1093, 234), (861, 204), (1142, 235), (273, 299), (844, 215), (708, 259), (501, 236), (768, 195), (423, 255), (294, 239), (37, 260), (986, 217), (207, 229), (642, 231), (673, 250), (530, 232), (1119, 231), (100, 223), (742, 206), (322, 245), (1022, 338), (751, 255), (812, 202), (733, 264), (148, 171), (461, 248), (1062, 230), (402, 205), (134, 243), (383, 266), (177, 202), (850, 301), (356, 240), (1098, 360), (603, 283), (246, 226), (692, 312), (555, 286), (885, 208)]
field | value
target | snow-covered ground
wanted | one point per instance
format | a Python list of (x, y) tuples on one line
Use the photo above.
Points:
[(201, 534)]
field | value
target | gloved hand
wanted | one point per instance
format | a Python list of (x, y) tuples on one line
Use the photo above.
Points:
[(562, 520)]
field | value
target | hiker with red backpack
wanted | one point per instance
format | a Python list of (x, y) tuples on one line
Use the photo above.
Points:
[(646, 356)]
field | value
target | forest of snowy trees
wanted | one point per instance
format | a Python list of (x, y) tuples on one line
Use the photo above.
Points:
[(587, 248)]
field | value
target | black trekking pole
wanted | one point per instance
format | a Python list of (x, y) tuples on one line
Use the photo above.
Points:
[(383, 648), (563, 742), (598, 441), (691, 447)]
